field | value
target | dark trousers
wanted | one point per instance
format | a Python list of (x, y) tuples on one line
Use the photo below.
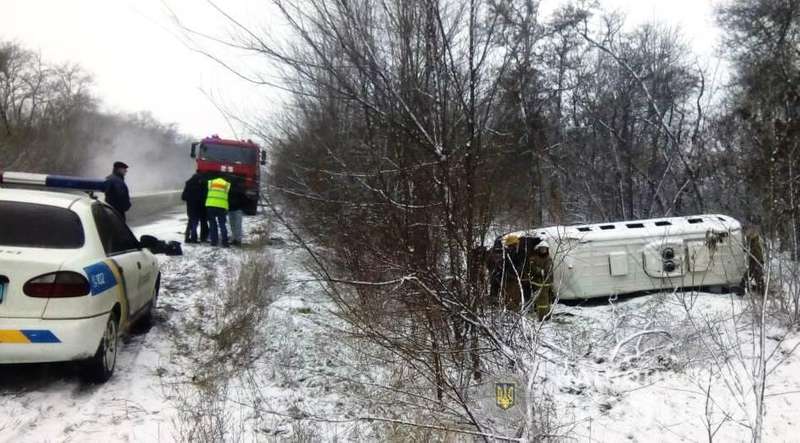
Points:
[(217, 218), (197, 216)]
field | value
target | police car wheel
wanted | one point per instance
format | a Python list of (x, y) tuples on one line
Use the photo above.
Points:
[(101, 366)]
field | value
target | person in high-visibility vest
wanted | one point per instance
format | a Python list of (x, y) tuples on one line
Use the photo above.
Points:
[(217, 210)]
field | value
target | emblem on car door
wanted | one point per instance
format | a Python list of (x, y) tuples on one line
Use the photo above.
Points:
[(101, 278)]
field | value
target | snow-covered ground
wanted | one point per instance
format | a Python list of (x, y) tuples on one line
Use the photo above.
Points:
[(157, 371), (692, 372), (213, 368)]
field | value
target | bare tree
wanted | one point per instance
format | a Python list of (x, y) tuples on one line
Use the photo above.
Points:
[(395, 127), (764, 109)]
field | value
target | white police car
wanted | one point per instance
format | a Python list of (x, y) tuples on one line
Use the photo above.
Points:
[(72, 275)]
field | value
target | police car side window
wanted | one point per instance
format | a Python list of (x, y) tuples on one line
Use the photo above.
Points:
[(121, 237), (103, 226), (114, 234)]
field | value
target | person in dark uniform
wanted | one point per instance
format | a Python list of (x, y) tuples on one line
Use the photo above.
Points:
[(755, 259), (116, 191), (521, 274), (510, 285), (236, 202), (540, 271), (194, 194)]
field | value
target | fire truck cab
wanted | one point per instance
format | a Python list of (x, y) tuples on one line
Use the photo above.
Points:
[(234, 160)]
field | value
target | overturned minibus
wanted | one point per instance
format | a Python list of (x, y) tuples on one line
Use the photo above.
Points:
[(603, 259)]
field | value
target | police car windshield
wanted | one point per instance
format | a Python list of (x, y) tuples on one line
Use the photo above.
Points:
[(30, 225), (228, 154)]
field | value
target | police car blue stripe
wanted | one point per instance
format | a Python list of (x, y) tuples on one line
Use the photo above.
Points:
[(40, 336)]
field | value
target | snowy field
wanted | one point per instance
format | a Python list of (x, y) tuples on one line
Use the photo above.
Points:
[(689, 377), (219, 366)]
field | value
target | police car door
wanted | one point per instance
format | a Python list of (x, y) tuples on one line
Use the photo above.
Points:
[(122, 247)]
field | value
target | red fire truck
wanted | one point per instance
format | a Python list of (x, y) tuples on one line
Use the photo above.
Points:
[(234, 160)]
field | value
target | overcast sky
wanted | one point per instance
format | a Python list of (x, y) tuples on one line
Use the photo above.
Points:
[(138, 63)]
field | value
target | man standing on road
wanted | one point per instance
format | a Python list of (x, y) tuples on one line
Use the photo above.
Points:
[(195, 192), (217, 210), (116, 190), (236, 203)]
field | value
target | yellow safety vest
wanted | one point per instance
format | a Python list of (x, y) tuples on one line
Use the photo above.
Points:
[(218, 193)]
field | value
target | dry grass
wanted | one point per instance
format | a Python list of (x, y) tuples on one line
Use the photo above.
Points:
[(225, 346), (244, 308)]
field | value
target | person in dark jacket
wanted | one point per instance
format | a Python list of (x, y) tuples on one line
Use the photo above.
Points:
[(236, 202), (194, 194), (117, 191)]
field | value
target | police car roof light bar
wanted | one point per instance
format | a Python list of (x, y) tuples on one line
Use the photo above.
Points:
[(51, 181)]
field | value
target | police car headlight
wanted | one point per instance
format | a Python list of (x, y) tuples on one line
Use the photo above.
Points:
[(668, 254), (669, 266)]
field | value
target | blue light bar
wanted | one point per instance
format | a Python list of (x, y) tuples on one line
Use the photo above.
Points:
[(86, 184), (52, 181)]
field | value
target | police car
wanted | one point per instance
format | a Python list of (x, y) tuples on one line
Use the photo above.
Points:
[(72, 275)]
